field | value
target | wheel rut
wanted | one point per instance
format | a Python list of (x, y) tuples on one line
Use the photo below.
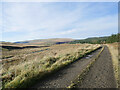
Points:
[(63, 77), (101, 74)]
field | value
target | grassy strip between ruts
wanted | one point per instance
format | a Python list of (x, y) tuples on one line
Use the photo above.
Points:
[(80, 77), (22, 82)]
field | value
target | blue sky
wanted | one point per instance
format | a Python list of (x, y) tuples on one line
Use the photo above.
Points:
[(77, 20)]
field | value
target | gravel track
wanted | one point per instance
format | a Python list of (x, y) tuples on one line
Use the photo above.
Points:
[(101, 74), (63, 77)]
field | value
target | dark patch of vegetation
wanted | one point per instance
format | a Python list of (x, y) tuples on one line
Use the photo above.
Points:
[(22, 42), (61, 42), (15, 47), (99, 40)]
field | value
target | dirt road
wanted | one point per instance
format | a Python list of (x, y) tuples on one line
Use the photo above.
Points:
[(101, 74), (63, 78)]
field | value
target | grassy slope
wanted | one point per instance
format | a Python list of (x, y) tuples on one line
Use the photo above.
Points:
[(21, 75), (46, 41), (99, 40)]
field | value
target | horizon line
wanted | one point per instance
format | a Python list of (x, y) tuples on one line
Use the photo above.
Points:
[(59, 38)]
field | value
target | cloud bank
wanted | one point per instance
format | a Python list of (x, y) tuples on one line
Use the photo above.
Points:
[(26, 20)]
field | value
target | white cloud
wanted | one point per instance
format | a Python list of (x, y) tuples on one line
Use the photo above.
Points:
[(99, 24), (30, 18), (48, 20)]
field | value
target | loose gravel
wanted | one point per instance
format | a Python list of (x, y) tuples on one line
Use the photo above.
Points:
[(101, 75)]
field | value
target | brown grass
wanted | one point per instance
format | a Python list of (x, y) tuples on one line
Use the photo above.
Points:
[(25, 66)]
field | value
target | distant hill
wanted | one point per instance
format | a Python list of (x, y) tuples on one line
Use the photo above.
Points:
[(99, 40), (6, 43), (46, 41), (93, 40)]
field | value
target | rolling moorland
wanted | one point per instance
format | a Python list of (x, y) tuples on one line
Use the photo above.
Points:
[(46, 41), (99, 40), (29, 63)]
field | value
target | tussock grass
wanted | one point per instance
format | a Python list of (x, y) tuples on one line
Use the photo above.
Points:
[(39, 65)]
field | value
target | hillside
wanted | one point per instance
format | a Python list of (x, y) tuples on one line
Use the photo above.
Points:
[(46, 41), (93, 40), (99, 40)]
